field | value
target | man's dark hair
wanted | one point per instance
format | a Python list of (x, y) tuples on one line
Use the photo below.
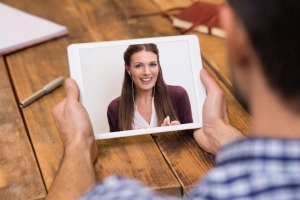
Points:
[(273, 28)]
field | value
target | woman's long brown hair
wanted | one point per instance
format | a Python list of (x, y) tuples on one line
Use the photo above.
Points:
[(162, 101)]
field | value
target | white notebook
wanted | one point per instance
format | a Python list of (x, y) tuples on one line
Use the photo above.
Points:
[(19, 29)]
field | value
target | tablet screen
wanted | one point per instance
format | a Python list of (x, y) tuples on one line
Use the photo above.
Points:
[(98, 69)]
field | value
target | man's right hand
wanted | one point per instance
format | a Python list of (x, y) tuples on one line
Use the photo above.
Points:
[(216, 130)]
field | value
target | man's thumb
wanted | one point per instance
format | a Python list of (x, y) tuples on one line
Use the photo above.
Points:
[(72, 89)]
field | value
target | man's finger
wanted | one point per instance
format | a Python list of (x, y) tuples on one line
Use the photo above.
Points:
[(72, 90), (209, 83)]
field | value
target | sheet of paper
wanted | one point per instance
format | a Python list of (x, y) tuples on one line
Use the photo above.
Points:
[(19, 29)]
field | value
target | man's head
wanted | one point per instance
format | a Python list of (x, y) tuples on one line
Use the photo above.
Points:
[(265, 33)]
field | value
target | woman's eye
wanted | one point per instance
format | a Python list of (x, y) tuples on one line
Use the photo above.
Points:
[(138, 66), (153, 64)]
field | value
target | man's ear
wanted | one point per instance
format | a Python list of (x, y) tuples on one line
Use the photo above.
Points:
[(238, 45)]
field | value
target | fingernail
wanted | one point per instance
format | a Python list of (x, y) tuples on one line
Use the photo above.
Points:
[(69, 83)]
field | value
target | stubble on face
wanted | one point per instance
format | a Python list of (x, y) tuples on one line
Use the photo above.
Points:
[(238, 94)]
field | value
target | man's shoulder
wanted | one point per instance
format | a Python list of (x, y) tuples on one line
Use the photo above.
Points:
[(116, 187)]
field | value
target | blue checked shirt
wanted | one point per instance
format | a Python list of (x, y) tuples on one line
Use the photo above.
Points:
[(245, 169)]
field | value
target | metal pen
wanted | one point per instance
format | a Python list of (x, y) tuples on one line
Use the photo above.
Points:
[(46, 89)]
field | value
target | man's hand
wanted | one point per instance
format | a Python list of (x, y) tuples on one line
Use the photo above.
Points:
[(216, 130), (73, 122), (76, 173)]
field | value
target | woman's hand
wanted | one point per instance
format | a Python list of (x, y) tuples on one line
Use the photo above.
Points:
[(167, 122)]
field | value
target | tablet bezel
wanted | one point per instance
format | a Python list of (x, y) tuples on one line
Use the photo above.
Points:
[(194, 52)]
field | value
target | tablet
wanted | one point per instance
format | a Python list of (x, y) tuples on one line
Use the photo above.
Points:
[(98, 68)]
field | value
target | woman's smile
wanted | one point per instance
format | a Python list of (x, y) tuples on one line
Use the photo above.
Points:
[(146, 80)]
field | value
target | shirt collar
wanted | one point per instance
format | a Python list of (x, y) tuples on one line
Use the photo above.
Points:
[(139, 122), (260, 148)]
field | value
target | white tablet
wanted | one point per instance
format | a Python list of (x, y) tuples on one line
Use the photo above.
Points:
[(98, 68)]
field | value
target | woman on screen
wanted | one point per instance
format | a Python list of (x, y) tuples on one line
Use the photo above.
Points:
[(146, 101)]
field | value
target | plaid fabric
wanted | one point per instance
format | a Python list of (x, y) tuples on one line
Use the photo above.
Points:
[(246, 169)]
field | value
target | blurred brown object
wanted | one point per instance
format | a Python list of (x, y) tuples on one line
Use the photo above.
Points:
[(199, 16)]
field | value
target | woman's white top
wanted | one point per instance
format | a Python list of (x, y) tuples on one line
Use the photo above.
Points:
[(139, 122)]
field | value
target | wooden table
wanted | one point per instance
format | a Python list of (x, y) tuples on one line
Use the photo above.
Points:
[(30, 145)]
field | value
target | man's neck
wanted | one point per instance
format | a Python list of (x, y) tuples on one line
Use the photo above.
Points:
[(271, 116)]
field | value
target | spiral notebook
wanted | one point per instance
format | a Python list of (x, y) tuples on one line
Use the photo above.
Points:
[(20, 29)]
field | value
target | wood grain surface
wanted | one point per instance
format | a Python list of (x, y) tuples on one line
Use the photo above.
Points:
[(20, 177), (139, 158), (34, 67), (169, 163), (189, 162)]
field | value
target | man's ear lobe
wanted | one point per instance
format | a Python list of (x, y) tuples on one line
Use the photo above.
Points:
[(226, 19)]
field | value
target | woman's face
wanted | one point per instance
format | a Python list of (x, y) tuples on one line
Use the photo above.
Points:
[(144, 70)]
